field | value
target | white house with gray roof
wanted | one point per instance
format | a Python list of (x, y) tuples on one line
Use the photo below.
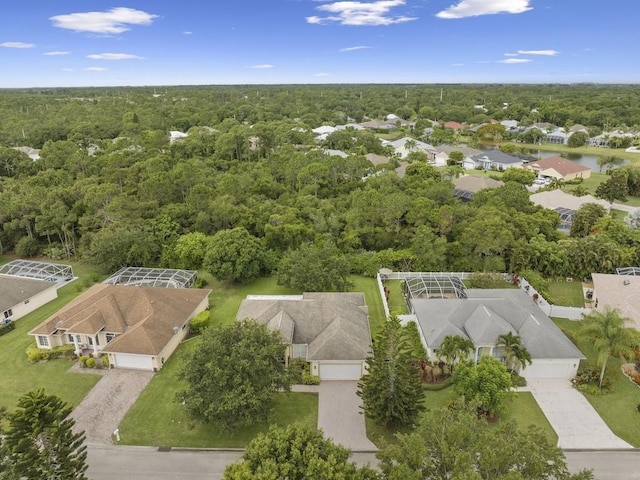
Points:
[(20, 296), (487, 314), (329, 330), (492, 159)]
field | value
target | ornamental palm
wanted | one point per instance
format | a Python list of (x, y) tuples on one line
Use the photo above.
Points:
[(516, 353), (454, 347), (609, 335)]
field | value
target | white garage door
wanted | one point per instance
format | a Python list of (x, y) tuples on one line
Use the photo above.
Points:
[(340, 371), (139, 362), (546, 370)]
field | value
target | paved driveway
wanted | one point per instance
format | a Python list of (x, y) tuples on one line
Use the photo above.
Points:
[(101, 411), (340, 415), (573, 418)]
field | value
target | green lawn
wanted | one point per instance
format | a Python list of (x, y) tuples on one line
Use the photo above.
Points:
[(568, 294), (372, 296), (397, 303), (617, 408), (18, 376), (523, 410), (157, 419)]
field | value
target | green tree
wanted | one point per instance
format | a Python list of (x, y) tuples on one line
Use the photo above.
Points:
[(456, 158), (487, 384), (191, 248), (315, 268), (577, 139), (612, 189), (609, 162), (452, 443), (235, 255), (585, 218), (519, 175), (609, 336), (224, 388), (518, 357), (454, 347), (39, 442), (392, 392), (295, 452)]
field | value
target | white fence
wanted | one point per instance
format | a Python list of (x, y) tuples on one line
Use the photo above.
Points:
[(571, 313)]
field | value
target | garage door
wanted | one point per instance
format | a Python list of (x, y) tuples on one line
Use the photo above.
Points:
[(139, 362), (340, 371), (546, 370)]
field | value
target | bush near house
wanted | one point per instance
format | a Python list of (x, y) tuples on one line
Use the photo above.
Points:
[(35, 354), (200, 322), (6, 328)]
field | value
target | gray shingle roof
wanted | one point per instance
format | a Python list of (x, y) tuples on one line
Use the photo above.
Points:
[(486, 314), (496, 156), (15, 290)]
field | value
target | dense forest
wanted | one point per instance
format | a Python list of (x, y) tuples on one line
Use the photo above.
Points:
[(248, 180)]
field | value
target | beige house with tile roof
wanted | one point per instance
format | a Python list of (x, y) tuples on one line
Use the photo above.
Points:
[(559, 168), (138, 327), (621, 292), (329, 330)]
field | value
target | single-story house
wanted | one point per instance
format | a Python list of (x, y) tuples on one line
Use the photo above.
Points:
[(328, 330), (32, 153), (20, 296), (621, 292), (406, 145), (559, 168), (485, 315), (453, 125), (558, 136), (491, 160), (334, 153), (467, 186), (138, 327), (565, 204), (376, 159)]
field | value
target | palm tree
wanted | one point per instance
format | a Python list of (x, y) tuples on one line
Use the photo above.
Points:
[(454, 347), (606, 329), (517, 355)]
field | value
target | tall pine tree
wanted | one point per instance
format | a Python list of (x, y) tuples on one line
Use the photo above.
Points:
[(392, 392), (40, 443)]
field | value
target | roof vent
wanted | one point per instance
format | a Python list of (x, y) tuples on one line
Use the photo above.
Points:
[(626, 281), (176, 329)]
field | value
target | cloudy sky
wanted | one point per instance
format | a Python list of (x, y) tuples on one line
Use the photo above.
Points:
[(160, 42)]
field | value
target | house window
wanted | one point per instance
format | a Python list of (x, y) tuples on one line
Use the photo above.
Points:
[(8, 313), (78, 339), (43, 341), (110, 336), (70, 338), (98, 340), (90, 339)]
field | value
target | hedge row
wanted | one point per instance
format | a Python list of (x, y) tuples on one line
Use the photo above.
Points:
[(6, 328), (35, 354)]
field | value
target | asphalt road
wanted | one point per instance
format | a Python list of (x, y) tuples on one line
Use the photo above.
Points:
[(107, 462)]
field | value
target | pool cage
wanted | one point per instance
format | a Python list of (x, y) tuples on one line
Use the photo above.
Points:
[(433, 287), (153, 277), (634, 271), (566, 218), (49, 272)]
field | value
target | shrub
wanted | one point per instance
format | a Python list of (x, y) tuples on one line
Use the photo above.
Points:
[(6, 328), (297, 366), (517, 380), (35, 354), (308, 379), (200, 282), (588, 378), (105, 361), (91, 362), (200, 322), (27, 247), (82, 360)]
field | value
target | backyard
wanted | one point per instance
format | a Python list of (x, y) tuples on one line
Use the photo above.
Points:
[(18, 376), (618, 408), (567, 294)]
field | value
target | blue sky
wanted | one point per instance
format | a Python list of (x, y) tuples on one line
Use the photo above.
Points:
[(46, 43)]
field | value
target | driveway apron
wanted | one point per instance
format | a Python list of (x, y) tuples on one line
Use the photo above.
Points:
[(573, 418), (101, 411), (340, 415)]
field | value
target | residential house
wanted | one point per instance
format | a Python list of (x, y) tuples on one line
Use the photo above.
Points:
[(492, 160), (328, 330), (334, 153), (137, 327), (467, 186), (453, 126), (565, 204), (20, 296), (559, 168), (558, 136), (484, 315), (406, 145), (32, 153), (621, 292)]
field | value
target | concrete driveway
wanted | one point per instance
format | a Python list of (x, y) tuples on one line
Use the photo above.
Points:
[(573, 418), (106, 404), (340, 415)]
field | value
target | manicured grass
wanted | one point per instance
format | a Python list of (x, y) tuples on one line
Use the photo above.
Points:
[(568, 294), (618, 408), (374, 302), (618, 214), (523, 410), (157, 419), (18, 376), (397, 303)]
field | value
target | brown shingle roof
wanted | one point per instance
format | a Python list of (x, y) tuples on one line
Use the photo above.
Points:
[(143, 317), (559, 164)]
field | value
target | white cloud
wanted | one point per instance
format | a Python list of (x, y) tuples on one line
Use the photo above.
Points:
[(321, 74), (113, 56), (95, 69), (511, 54), (114, 21), (17, 45), (457, 64), (474, 8), (55, 54), (482, 61), (352, 49), (261, 66), (187, 32), (360, 13), (549, 53), (515, 60), (68, 69)]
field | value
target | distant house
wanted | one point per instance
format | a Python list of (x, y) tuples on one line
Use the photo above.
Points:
[(565, 204), (138, 327), (621, 292), (467, 186), (558, 136), (176, 135), (559, 168), (32, 153), (335, 153), (20, 296), (453, 125), (329, 330), (483, 315), (376, 159), (406, 145), (491, 160)]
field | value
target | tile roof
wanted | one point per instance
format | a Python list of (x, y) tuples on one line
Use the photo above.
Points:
[(475, 183), (559, 164)]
